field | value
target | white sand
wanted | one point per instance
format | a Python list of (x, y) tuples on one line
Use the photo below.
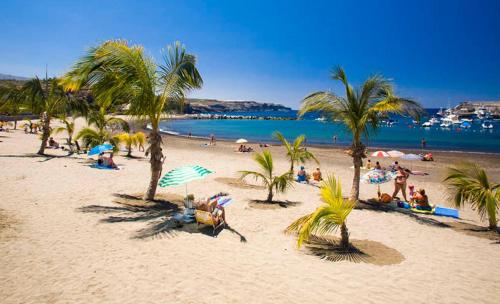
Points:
[(51, 252)]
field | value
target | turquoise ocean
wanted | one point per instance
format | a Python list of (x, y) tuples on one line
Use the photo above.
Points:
[(403, 133)]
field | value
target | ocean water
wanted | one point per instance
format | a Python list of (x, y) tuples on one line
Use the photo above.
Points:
[(403, 134)]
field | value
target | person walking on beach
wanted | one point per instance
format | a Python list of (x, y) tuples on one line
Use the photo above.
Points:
[(212, 140), (400, 182), (423, 143), (334, 139)]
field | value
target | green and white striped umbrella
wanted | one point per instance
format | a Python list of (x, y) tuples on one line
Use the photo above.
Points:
[(183, 175)]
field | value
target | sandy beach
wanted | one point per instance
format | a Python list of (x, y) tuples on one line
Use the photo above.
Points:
[(72, 234)]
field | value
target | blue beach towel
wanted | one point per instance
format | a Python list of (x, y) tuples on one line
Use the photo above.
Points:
[(102, 167)]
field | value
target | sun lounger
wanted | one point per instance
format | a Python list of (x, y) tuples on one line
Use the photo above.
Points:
[(204, 217)]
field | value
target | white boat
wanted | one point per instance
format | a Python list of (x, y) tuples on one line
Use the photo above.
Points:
[(487, 125), (427, 124), (452, 118), (320, 119), (466, 119), (446, 124), (433, 120)]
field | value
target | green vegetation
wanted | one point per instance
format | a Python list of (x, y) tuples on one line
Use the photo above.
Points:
[(360, 112), (272, 182), (469, 183), (326, 218), (116, 71), (295, 151), (130, 140)]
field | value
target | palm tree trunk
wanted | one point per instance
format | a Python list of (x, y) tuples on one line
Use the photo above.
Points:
[(155, 142), (358, 151), (129, 152), (270, 195), (493, 221), (344, 236), (45, 135)]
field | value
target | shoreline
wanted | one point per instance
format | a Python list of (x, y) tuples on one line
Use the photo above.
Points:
[(330, 147)]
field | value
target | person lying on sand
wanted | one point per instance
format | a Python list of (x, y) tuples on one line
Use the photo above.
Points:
[(106, 161)]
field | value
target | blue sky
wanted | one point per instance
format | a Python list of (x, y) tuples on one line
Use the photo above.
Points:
[(277, 51)]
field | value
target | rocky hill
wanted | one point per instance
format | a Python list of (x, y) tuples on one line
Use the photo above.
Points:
[(194, 105)]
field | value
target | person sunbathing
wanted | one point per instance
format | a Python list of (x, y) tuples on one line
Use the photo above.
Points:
[(378, 166), (302, 175), (317, 177), (420, 200), (217, 212)]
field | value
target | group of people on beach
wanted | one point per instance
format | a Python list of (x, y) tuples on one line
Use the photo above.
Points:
[(244, 148), (304, 177)]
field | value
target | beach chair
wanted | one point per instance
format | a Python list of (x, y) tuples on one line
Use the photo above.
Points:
[(204, 217)]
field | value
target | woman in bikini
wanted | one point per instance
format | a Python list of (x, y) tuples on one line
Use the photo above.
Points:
[(400, 182)]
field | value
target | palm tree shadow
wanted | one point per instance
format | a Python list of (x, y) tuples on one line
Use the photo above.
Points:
[(44, 157), (157, 214), (262, 204), (359, 251)]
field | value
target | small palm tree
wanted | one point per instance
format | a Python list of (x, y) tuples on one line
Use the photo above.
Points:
[(48, 99), (99, 128), (69, 128), (295, 151), (326, 218), (114, 70), (11, 101), (360, 112), (469, 183), (131, 140), (272, 182)]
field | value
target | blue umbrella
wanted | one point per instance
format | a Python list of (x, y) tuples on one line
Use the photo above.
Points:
[(99, 149)]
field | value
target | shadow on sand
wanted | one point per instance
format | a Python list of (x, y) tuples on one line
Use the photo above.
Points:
[(360, 251), (265, 205), (431, 220), (157, 215)]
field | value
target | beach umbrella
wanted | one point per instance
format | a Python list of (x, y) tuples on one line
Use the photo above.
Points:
[(411, 157), (380, 154), (241, 141), (377, 177), (395, 153), (183, 175), (100, 149)]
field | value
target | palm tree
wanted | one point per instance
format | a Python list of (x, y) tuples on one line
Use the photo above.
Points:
[(99, 129), (326, 218), (272, 182), (115, 70), (11, 101), (131, 140), (359, 111), (469, 183), (295, 151), (69, 128), (48, 99)]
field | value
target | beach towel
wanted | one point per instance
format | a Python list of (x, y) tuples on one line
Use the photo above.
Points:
[(102, 167)]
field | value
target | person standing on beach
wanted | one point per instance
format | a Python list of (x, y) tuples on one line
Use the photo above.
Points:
[(400, 182), (212, 140), (423, 143), (334, 139)]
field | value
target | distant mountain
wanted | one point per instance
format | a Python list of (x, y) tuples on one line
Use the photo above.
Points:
[(11, 77), (194, 105)]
